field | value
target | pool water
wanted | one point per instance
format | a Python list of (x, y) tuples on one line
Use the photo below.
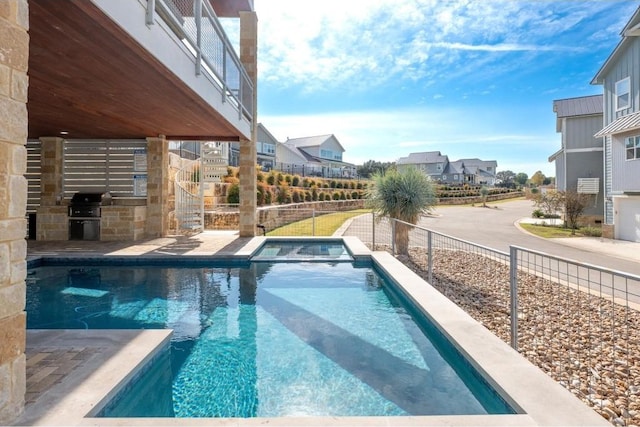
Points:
[(300, 250), (266, 340)]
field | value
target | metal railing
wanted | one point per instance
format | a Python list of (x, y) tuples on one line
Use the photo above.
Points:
[(189, 201), (578, 322), (196, 24)]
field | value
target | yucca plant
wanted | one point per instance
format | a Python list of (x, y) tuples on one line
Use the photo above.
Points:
[(403, 195)]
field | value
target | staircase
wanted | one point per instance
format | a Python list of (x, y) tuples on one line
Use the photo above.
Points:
[(190, 183), (189, 200)]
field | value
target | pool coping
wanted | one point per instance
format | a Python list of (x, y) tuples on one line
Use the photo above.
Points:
[(120, 355), (539, 399)]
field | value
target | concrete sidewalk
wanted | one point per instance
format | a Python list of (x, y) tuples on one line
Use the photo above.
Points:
[(616, 248)]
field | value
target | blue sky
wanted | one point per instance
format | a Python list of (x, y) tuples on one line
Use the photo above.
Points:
[(469, 78)]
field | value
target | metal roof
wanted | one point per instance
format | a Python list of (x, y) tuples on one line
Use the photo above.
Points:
[(622, 124), (581, 106), (425, 157)]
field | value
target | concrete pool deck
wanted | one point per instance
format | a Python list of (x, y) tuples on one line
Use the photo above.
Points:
[(107, 357)]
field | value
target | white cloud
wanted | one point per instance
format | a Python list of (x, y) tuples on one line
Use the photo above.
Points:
[(329, 43)]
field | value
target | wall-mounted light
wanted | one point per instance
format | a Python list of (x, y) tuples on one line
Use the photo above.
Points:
[(64, 132)]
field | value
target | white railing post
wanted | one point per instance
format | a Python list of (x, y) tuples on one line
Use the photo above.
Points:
[(313, 221), (197, 12), (513, 295), (151, 8)]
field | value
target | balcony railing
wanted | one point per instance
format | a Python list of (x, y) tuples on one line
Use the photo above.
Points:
[(196, 24)]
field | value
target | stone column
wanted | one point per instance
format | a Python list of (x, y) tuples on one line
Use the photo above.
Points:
[(51, 215), (157, 187), (51, 166), (248, 151), (14, 59)]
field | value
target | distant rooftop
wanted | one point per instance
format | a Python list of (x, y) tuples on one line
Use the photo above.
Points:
[(582, 106)]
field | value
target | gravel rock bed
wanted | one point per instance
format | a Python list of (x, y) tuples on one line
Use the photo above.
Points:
[(585, 342)]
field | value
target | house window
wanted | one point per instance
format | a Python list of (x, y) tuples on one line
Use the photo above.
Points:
[(632, 146), (444, 177), (455, 177), (439, 167), (623, 93), (268, 148)]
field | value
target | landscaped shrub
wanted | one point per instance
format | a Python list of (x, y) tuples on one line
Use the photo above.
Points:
[(336, 196), (591, 231), (283, 194), (271, 178), (233, 194), (296, 197), (307, 196), (537, 213), (343, 196), (355, 195)]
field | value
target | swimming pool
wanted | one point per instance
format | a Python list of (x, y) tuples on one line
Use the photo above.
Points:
[(267, 339)]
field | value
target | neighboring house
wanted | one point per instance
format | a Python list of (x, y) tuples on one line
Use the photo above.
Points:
[(579, 162), (440, 169), (314, 155), (620, 78), (265, 148)]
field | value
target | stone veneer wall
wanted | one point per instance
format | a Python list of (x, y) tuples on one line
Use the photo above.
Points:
[(14, 59), (157, 187)]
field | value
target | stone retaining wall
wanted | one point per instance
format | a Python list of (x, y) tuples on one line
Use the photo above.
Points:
[(478, 199), (276, 216)]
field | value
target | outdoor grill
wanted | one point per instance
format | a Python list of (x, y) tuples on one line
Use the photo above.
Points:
[(84, 215)]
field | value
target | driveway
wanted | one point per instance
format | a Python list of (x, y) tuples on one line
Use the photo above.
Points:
[(496, 228)]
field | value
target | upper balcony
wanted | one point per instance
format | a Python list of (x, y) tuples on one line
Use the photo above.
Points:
[(136, 68)]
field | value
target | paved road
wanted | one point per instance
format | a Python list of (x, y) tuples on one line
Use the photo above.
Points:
[(495, 228)]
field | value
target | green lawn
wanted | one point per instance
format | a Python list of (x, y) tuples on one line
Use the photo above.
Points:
[(551, 231), (325, 225)]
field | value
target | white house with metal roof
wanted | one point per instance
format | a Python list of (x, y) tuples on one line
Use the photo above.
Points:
[(438, 167), (620, 78), (578, 162), (319, 155)]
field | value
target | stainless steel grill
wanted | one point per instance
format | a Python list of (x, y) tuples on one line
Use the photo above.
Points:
[(85, 210)]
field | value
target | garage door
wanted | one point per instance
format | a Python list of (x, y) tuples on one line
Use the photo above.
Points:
[(627, 218)]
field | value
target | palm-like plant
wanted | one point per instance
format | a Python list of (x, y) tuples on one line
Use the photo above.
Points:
[(403, 195)]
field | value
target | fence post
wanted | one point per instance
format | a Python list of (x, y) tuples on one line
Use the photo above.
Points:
[(393, 236), (430, 259), (373, 231), (313, 221), (513, 295)]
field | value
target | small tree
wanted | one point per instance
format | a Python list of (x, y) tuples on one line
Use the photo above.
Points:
[(549, 202), (404, 195), (574, 205)]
